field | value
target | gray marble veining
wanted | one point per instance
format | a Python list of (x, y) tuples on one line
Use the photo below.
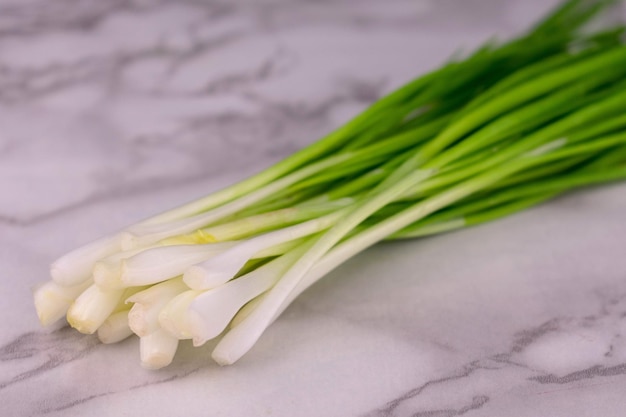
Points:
[(113, 110)]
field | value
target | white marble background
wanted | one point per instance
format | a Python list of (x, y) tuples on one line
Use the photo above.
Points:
[(114, 110)]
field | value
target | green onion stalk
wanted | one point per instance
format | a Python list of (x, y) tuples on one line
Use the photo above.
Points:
[(505, 128)]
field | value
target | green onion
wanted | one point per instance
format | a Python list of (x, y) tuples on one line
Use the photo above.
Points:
[(506, 128)]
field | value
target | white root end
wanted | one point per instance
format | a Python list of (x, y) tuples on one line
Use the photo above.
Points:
[(115, 328), (138, 322), (92, 308), (53, 300), (157, 349), (144, 315)]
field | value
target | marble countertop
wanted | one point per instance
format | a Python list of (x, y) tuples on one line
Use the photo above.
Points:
[(114, 110)]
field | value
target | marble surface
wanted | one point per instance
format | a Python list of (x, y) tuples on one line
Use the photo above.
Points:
[(114, 110)]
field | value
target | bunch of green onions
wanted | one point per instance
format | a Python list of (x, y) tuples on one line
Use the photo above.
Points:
[(505, 128)]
